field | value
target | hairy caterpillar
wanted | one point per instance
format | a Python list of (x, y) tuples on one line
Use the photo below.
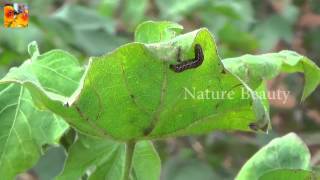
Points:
[(189, 64)]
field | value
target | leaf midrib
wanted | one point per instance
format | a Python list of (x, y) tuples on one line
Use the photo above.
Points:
[(155, 117), (59, 74)]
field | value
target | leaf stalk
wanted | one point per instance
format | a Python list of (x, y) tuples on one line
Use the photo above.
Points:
[(128, 159)]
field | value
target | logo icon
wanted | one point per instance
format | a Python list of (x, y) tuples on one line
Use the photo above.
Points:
[(16, 15)]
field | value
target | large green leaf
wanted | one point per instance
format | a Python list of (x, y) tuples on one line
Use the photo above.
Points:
[(131, 93), (23, 130), (105, 159), (292, 174), (287, 152), (253, 69)]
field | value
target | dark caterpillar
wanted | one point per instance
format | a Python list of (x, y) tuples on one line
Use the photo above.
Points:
[(189, 64)]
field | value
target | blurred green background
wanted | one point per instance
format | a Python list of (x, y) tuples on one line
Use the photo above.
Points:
[(92, 28)]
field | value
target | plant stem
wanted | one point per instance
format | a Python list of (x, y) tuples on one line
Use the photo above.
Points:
[(128, 159)]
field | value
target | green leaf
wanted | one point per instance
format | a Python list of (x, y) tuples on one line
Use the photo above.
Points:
[(268, 36), (107, 7), (287, 152), (236, 10), (176, 10), (152, 32), (92, 33), (145, 155), (24, 130), (37, 75), (51, 163), (216, 14), (18, 40), (33, 49), (131, 93), (151, 99), (80, 17), (253, 69), (292, 174), (235, 38), (55, 71), (105, 159), (133, 12), (316, 170), (181, 168)]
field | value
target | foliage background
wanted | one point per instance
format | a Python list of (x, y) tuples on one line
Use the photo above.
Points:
[(91, 28)]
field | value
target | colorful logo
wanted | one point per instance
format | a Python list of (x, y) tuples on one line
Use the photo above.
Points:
[(16, 15)]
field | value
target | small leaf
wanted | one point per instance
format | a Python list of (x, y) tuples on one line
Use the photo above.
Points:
[(60, 67), (287, 152), (33, 49), (153, 32), (105, 159), (253, 69)]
